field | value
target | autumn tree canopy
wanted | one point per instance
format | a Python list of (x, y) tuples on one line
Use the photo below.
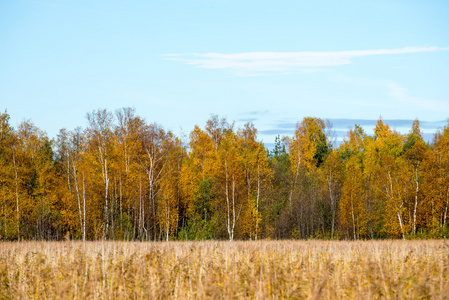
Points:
[(125, 178)]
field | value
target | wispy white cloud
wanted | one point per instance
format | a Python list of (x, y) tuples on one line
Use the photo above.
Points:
[(401, 94), (261, 62), (394, 93)]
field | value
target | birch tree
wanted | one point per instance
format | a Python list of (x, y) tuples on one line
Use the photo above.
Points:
[(99, 133), (153, 162)]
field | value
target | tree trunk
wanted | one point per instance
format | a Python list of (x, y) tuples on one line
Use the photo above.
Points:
[(140, 210), (233, 206), (352, 213), (17, 195), (77, 194), (121, 207), (416, 200), (167, 222), (400, 224), (228, 220), (106, 208), (257, 200), (398, 209), (4, 208), (445, 210), (84, 210), (331, 196)]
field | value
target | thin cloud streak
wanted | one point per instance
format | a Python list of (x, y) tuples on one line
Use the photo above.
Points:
[(256, 62), (399, 93), (341, 127)]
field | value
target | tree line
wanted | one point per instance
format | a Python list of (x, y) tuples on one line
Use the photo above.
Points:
[(124, 178)]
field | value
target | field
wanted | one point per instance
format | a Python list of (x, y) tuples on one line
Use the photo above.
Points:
[(217, 269)]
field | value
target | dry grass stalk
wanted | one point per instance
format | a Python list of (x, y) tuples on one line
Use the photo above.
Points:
[(232, 270)]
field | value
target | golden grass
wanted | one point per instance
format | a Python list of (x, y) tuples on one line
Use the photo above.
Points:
[(231, 270)]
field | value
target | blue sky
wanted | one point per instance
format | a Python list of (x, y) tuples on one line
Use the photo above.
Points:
[(270, 62)]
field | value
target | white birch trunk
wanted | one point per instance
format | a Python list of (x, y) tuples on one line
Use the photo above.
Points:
[(228, 220), (353, 218), (77, 194), (106, 209), (17, 195), (445, 210), (233, 207), (84, 210), (416, 200), (257, 200)]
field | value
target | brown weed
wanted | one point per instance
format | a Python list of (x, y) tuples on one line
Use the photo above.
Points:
[(231, 270)]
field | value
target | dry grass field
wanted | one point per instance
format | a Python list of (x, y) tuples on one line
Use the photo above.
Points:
[(231, 270)]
